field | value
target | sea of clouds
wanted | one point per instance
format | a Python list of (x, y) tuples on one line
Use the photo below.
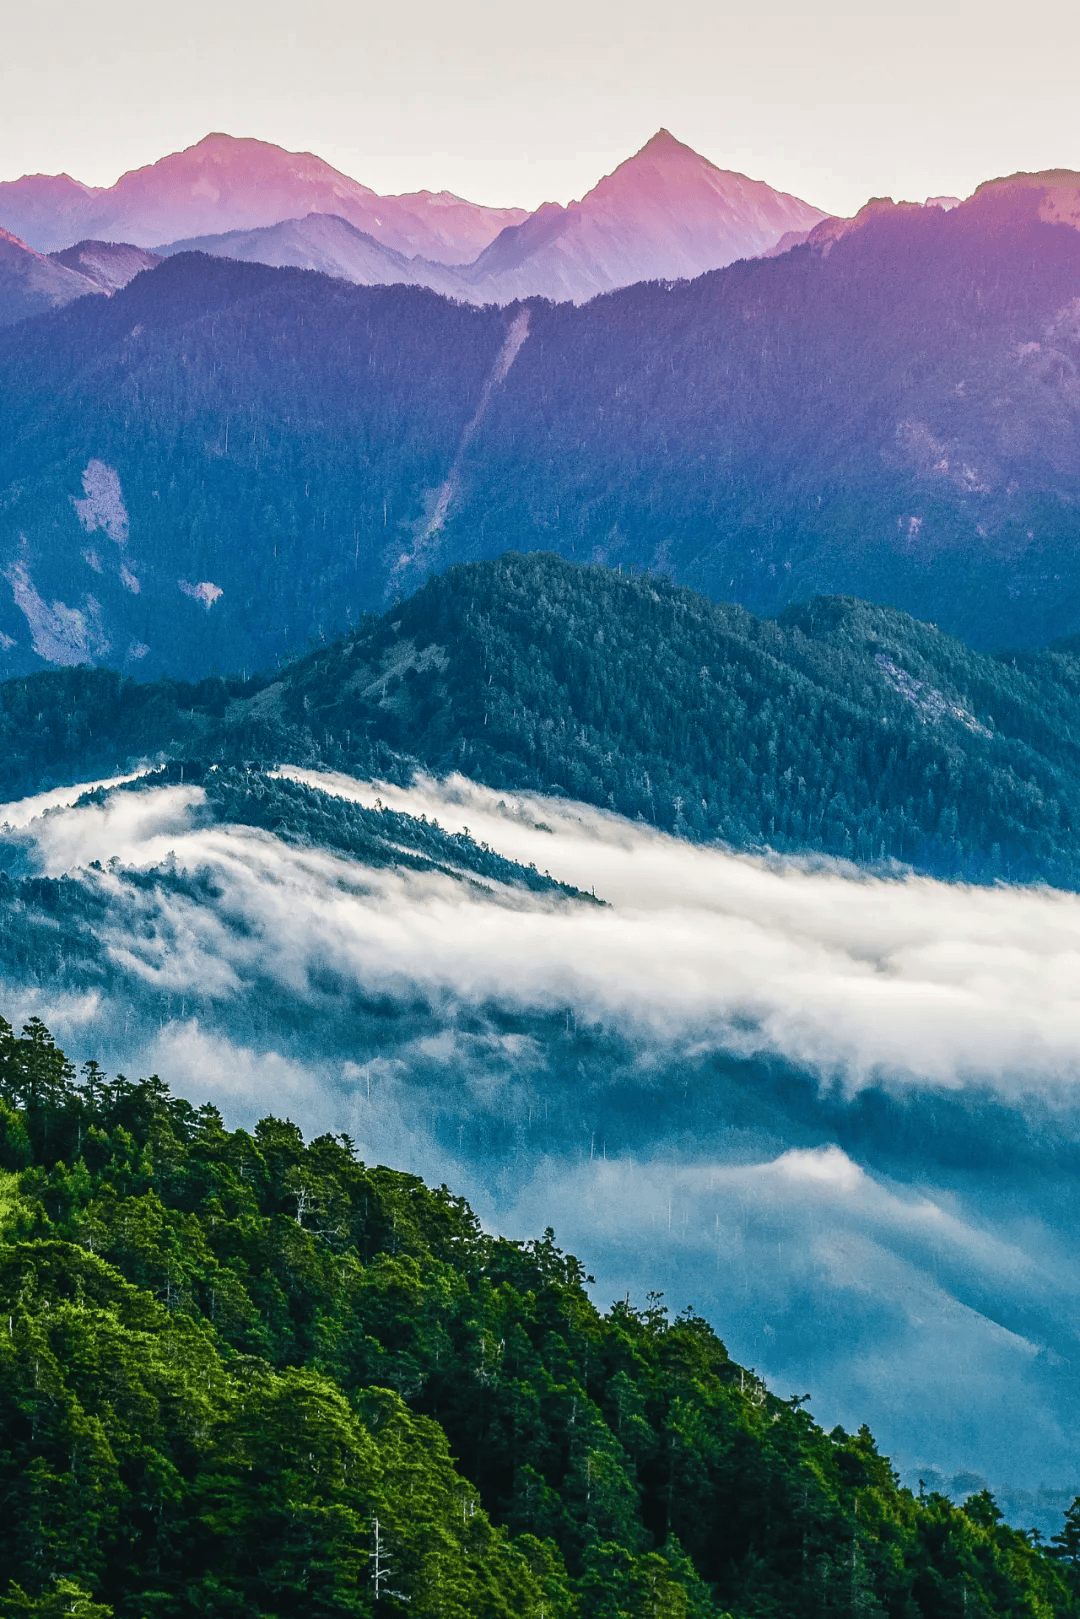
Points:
[(834, 1112)]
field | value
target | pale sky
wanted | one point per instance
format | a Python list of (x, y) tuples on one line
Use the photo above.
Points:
[(835, 101)]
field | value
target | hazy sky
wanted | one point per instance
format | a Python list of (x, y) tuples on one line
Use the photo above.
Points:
[(513, 104)]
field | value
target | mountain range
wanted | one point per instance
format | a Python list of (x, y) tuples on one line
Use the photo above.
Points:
[(665, 213), (223, 459), (223, 183), (582, 707)]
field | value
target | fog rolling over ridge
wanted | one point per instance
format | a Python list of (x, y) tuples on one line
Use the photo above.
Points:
[(835, 1112)]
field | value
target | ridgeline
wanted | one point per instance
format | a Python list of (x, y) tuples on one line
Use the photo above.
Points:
[(840, 727)]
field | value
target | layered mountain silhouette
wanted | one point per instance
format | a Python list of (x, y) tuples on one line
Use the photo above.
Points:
[(32, 283), (224, 184), (224, 459), (664, 214), (329, 243), (535, 674), (110, 265)]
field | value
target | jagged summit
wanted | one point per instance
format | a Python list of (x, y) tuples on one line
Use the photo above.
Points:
[(665, 150), (665, 141)]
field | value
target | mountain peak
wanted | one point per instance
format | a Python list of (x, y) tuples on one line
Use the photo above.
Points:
[(664, 214), (664, 145), (224, 183)]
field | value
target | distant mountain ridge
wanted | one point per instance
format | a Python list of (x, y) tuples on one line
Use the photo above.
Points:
[(224, 183), (111, 265), (33, 283), (664, 214), (331, 245), (223, 459)]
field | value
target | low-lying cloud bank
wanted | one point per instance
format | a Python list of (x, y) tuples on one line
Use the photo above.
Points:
[(835, 1112), (863, 980)]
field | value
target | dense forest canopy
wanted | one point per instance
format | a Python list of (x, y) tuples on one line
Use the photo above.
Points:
[(244, 1374), (839, 727)]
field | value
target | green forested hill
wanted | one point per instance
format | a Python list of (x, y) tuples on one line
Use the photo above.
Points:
[(840, 727), (245, 1375)]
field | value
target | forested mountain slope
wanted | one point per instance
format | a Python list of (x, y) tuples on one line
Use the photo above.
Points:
[(891, 414), (247, 1374), (839, 727)]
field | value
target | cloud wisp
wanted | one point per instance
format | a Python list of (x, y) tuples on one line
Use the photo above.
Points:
[(861, 978)]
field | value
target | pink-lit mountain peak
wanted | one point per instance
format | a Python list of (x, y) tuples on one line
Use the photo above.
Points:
[(718, 214), (242, 161), (663, 148), (227, 183), (221, 178), (664, 155), (666, 213)]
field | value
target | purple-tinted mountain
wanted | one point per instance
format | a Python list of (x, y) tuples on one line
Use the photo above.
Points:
[(224, 459), (327, 243), (31, 284), (224, 184), (110, 265), (665, 214)]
